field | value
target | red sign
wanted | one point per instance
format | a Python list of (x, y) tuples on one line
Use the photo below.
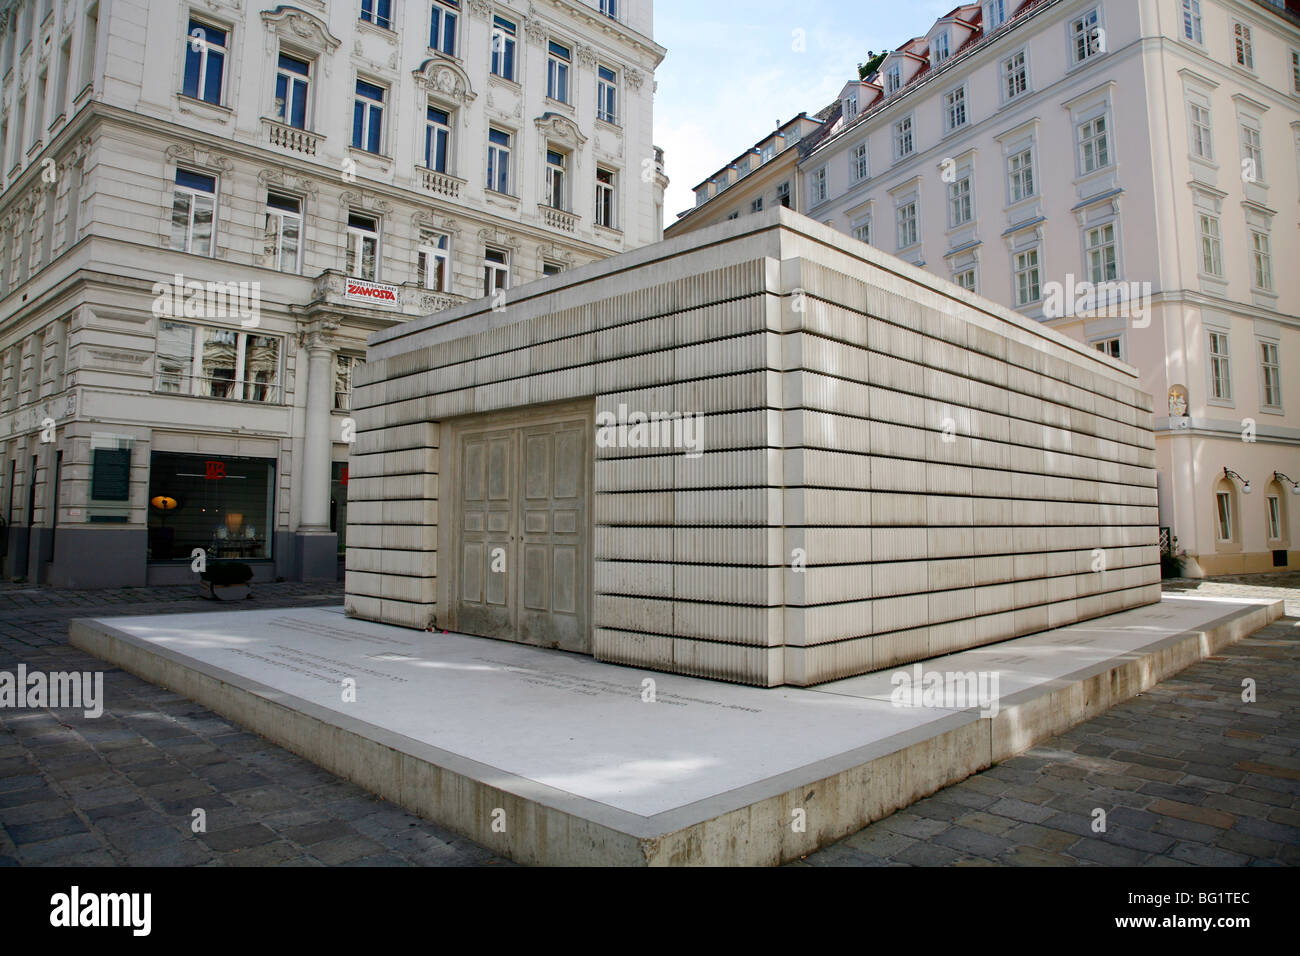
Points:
[(372, 292), (214, 470)]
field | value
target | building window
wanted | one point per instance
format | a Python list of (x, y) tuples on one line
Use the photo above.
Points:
[(862, 232), (1103, 264), (908, 229), (194, 212), (995, 14), (605, 205), (498, 171), (1028, 277), (858, 162), (1295, 72), (1015, 75), (851, 106), (743, 167), (1261, 257), (503, 48), (368, 117), (701, 195), (606, 94), (941, 49), (1109, 347), (345, 367), (555, 179), (609, 8), (893, 79), (363, 247), (1211, 246), (1273, 510), (966, 279), (954, 108), (1270, 374), (1202, 133), (1223, 502), (1220, 367), (378, 12), (217, 363), (283, 232), (767, 154), (783, 195), (1252, 152), (205, 62), (1094, 145), (1243, 46), (292, 81), (1192, 20), (442, 26), (496, 271), (432, 261), (437, 139), (903, 137), (557, 72), (551, 268), (1021, 169), (224, 507), (1085, 36), (756, 205), (820, 187), (960, 208)]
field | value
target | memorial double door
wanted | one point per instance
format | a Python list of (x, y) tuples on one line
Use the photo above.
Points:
[(522, 548)]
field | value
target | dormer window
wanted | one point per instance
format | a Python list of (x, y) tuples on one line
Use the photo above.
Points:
[(894, 79), (995, 14), (939, 48), (851, 106), (768, 153)]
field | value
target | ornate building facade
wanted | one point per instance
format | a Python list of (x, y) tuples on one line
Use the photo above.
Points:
[(208, 207)]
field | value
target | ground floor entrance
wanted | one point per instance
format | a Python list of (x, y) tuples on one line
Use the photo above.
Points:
[(519, 514)]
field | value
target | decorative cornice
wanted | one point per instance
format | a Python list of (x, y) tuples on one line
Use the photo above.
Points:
[(560, 128), (295, 24), (447, 79), (198, 156), (359, 200)]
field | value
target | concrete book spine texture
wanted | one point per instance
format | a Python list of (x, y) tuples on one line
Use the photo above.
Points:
[(886, 468)]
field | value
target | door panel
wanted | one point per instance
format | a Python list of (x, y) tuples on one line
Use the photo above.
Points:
[(523, 505)]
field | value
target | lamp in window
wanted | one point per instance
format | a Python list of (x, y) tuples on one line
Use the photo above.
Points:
[(164, 503), (1295, 486), (234, 522), (1245, 485)]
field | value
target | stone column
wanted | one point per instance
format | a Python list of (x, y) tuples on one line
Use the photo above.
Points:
[(317, 546)]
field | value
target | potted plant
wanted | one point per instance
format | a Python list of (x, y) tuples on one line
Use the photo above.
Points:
[(225, 581)]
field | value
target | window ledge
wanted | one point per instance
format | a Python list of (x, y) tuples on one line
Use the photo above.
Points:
[(189, 104)]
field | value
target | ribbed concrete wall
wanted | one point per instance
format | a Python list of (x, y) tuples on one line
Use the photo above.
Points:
[(891, 468)]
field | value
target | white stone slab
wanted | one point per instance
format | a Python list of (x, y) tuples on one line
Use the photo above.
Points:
[(578, 726)]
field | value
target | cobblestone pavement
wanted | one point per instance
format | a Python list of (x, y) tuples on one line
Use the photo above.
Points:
[(121, 788), (1186, 773)]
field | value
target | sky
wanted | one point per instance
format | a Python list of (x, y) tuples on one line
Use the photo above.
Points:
[(734, 68)]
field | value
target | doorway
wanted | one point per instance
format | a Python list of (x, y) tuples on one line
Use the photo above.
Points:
[(520, 502)]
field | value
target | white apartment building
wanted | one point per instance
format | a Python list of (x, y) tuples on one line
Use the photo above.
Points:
[(208, 206), (1127, 171)]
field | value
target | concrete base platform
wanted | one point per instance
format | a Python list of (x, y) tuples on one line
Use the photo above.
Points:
[(553, 758)]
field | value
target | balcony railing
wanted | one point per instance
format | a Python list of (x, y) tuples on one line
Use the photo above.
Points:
[(558, 218), (440, 184), (291, 138)]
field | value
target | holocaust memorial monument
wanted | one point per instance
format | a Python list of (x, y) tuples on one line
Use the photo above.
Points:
[(711, 553), (763, 453)]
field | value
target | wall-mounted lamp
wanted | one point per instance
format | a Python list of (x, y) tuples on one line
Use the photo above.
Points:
[(1245, 485), (1295, 486)]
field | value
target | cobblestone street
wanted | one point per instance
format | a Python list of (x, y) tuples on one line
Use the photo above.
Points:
[(1187, 773)]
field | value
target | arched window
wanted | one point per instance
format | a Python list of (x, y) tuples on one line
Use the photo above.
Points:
[(1227, 517), (1276, 520)]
